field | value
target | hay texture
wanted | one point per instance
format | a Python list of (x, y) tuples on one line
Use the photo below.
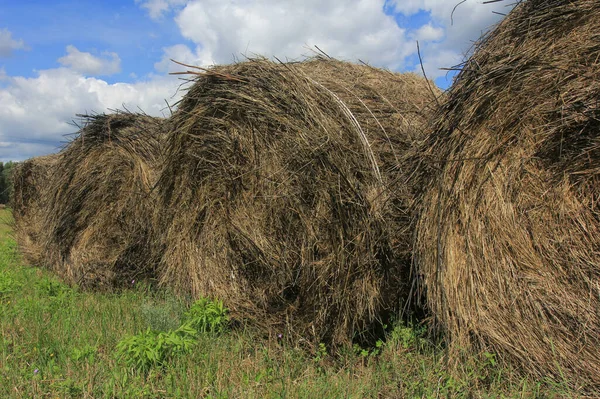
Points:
[(98, 230), (280, 193), (509, 231), (30, 183)]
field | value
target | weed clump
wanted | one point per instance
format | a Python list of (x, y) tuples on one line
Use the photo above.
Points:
[(152, 348)]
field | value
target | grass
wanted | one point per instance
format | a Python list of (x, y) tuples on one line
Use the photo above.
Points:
[(59, 342)]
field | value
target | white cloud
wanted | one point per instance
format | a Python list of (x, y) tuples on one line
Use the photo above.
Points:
[(156, 8), (223, 30), (348, 29), (428, 33), (8, 44), (36, 112), (433, 61), (180, 53), (442, 9), (88, 64), (462, 23)]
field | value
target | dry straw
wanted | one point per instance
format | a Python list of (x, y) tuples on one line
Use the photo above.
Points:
[(509, 231), (30, 182), (98, 227), (281, 194)]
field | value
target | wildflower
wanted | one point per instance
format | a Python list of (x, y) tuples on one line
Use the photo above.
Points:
[(36, 371), (132, 282), (279, 336)]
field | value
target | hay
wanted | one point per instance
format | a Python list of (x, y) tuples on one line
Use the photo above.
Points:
[(98, 230), (30, 182), (276, 194), (509, 231)]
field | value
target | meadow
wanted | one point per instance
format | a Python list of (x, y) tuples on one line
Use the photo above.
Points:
[(61, 342)]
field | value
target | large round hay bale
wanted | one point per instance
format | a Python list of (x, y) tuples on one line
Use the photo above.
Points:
[(98, 229), (509, 231), (280, 194), (30, 182)]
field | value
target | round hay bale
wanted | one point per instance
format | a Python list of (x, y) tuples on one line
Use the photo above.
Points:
[(508, 238), (30, 182), (280, 194), (98, 230)]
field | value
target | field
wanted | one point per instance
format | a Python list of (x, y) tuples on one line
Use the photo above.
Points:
[(59, 342)]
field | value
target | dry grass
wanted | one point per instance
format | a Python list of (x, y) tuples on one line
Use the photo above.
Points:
[(509, 229), (281, 194), (30, 183), (100, 201)]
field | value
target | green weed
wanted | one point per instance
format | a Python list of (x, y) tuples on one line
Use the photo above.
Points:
[(153, 349), (208, 316)]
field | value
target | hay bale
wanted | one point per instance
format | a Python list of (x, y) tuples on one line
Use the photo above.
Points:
[(99, 218), (508, 238), (280, 194), (30, 182)]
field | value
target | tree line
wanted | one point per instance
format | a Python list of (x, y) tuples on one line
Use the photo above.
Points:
[(6, 169)]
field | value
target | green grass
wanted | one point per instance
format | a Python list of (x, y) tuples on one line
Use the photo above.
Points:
[(59, 342)]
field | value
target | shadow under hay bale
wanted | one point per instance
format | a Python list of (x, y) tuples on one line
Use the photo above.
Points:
[(509, 228), (280, 194), (30, 183), (98, 230)]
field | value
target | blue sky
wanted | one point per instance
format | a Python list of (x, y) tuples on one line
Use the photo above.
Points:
[(59, 58), (47, 27)]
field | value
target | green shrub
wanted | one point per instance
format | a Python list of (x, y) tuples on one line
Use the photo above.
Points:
[(152, 348), (408, 336), (208, 316)]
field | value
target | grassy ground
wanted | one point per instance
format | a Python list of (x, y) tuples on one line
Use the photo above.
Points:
[(58, 342)]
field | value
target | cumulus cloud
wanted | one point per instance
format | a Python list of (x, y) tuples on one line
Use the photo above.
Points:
[(180, 53), (156, 8), (349, 29), (428, 33), (460, 24), (36, 112), (222, 30), (88, 64), (8, 44)]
